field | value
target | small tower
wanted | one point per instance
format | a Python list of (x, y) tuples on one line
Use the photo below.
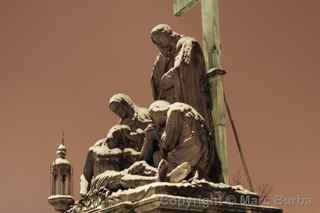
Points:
[(61, 180)]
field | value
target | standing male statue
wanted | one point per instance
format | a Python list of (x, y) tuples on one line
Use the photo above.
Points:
[(179, 72)]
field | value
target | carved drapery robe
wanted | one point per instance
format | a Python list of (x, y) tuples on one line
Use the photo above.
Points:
[(186, 138), (182, 78)]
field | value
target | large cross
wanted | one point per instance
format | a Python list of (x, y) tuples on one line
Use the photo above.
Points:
[(212, 54)]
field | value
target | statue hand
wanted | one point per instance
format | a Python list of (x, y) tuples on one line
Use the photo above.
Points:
[(117, 134), (119, 130), (163, 153), (125, 131), (163, 147), (112, 143), (150, 131), (167, 79), (149, 128)]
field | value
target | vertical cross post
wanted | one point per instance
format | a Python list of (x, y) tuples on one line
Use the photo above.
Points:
[(212, 54)]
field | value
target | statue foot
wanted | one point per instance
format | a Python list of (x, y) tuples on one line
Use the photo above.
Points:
[(180, 173)]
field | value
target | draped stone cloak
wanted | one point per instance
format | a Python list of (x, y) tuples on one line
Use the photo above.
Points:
[(186, 139), (188, 82)]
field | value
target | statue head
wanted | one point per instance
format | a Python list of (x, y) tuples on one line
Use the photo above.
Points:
[(122, 105), (165, 39), (115, 137), (158, 112)]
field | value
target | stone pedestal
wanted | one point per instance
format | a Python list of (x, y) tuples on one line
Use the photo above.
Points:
[(199, 196), (173, 204)]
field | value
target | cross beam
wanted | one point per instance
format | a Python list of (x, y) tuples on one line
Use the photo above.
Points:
[(212, 53), (210, 27), (180, 7)]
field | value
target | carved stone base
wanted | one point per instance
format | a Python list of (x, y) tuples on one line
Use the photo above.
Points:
[(198, 196), (173, 204)]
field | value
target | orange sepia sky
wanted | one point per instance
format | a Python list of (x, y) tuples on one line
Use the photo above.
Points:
[(61, 60)]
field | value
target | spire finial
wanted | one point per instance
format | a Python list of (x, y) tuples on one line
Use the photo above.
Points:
[(62, 150), (62, 138)]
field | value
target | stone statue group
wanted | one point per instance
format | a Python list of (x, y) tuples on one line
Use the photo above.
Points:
[(170, 141)]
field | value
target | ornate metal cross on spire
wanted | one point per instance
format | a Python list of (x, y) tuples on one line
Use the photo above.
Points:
[(212, 54)]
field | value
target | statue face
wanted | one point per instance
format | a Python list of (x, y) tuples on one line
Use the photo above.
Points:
[(122, 110), (159, 118), (163, 43)]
